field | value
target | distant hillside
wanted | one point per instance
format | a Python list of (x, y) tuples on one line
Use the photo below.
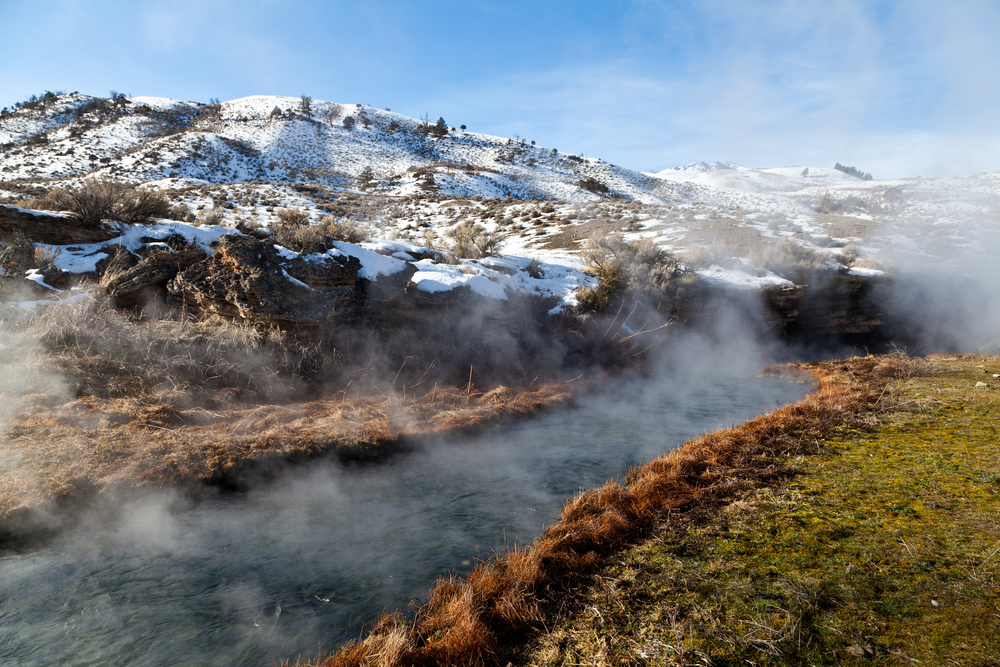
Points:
[(275, 139), (243, 162)]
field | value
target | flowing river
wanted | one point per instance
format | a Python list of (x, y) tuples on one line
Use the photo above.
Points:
[(301, 563)]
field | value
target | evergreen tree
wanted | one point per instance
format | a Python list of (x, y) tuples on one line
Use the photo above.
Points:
[(366, 177), (441, 127)]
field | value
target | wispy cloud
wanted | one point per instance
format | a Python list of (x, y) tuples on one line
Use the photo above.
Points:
[(791, 82), (647, 83)]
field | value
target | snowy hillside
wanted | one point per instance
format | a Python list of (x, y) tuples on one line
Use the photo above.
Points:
[(404, 180), (274, 139)]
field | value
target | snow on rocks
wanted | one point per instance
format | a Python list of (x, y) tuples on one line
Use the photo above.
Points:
[(373, 264), (741, 276), (434, 278), (85, 257)]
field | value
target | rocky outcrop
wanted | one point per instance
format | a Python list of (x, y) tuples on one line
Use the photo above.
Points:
[(145, 282), (839, 307), (247, 279), (834, 309), (42, 227)]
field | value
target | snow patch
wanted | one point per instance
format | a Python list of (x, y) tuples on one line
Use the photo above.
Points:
[(738, 279), (373, 264), (434, 278)]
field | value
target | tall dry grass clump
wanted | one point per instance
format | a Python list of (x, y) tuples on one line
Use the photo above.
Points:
[(107, 354), (469, 621)]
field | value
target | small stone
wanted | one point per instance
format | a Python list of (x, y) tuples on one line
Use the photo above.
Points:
[(935, 603), (981, 385), (861, 651)]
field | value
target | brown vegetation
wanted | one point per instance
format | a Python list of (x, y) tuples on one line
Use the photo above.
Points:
[(105, 199), (629, 269), (96, 400), (470, 621)]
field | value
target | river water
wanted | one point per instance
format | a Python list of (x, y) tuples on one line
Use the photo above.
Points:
[(258, 577)]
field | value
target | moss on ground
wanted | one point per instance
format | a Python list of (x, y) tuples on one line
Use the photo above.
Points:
[(884, 550)]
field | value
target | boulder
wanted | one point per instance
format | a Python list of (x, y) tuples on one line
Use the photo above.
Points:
[(247, 279)]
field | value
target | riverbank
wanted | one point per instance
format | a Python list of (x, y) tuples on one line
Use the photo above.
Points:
[(835, 528), (59, 456), (882, 548)]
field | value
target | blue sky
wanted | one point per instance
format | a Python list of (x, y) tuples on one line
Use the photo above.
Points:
[(895, 88)]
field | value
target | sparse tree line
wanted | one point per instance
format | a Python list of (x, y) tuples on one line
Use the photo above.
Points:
[(33, 102), (852, 171)]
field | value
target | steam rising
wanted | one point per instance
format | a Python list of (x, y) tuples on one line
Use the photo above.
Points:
[(158, 577), (947, 298), (266, 574)]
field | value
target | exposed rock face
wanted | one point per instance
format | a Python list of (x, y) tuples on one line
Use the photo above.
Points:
[(246, 279), (145, 282), (836, 309), (50, 229), (843, 308)]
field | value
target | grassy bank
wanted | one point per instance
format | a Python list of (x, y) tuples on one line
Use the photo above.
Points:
[(884, 548), (487, 617), (93, 403)]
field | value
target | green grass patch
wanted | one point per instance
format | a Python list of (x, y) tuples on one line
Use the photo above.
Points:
[(884, 550)]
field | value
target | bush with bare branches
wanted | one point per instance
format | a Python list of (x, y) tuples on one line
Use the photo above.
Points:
[(638, 267), (106, 199), (472, 241)]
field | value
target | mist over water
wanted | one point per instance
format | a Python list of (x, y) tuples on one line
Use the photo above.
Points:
[(305, 560), (269, 574)]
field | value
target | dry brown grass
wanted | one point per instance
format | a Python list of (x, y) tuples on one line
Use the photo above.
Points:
[(59, 450), (469, 621)]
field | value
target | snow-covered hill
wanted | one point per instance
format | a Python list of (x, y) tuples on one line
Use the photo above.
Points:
[(245, 160), (274, 139)]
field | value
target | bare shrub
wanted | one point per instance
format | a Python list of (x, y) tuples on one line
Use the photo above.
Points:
[(639, 267), (212, 216), (292, 230), (249, 225), (303, 239), (105, 199), (330, 112), (704, 256), (644, 266), (346, 229), (292, 217), (181, 213), (786, 257), (472, 241), (610, 285), (48, 202)]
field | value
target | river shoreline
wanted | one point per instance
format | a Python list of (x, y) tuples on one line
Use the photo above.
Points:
[(71, 455), (484, 617)]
